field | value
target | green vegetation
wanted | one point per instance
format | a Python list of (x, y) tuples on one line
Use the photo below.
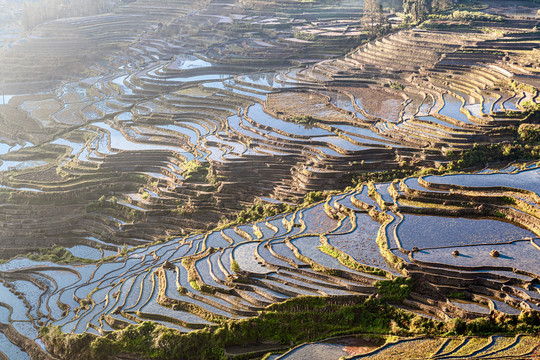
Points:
[(200, 172), (384, 176), (396, 86), (457, 295), (315, 197), (235, 267), (194, 285), (56, 254), (394, 290), (525, 145), (418, 10), (349, 262), (305, 119), (291, 322), (305, 36), (480, 155), (530, 106), (465, 15), (260, 211), (101, 203), (195, 170), (529, 133), (475, 16), (527, 322)]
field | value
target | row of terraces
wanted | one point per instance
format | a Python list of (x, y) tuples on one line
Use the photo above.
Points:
[(184, 115), (336, 248), (184, 141)]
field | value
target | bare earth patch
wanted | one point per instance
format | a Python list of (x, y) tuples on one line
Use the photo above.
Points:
[(378, 103), (292, 104)]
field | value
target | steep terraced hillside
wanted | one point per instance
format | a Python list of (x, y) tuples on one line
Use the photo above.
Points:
[(126, 138)]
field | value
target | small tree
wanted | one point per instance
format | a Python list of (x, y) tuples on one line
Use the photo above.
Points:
[(235, 267), (440, 5), (417, 9), (370, 20)]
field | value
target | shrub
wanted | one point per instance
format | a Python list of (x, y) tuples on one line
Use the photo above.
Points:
[(475, 16), (235, 267), (314, 197), (397, 86), (305, 36), (304, 119), (529, 133), (394, 290)]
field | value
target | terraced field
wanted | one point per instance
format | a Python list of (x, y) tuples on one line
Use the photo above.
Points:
[(130, 136), (424, 348)]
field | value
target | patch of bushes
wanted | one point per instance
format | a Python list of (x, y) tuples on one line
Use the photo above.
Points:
[(262, 211), (457, 295), (394, 290), (526, 146), (304, 119), (349, 262), (466, 15), (195, 170), (257, 212), (525, 87), (56, 254), (480, 155), (529, 133), (396, 86), (313, 197), (294, 321), (305, 36), (527, 322)]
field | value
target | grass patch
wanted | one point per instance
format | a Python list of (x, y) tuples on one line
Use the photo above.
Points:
[(194, 285), (349, 262), (56, 254), (257, 212), (395, 290)]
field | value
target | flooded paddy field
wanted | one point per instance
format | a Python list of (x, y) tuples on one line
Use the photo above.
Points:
[(128, 137), (332, 248)]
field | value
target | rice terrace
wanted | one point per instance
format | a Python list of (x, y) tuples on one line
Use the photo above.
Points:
[(269, 179)]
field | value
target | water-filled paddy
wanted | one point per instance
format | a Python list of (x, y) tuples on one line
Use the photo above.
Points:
[(528, 180), (432, 231), (161, 98), (520, 255), (256, 113), (11, 350), (452, 108)]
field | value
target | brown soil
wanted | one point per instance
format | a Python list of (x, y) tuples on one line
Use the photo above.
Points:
[(357, 346), (45, 176), (292, 104), (378, 103), (237, 350)]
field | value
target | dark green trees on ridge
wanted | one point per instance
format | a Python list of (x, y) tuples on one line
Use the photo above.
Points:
[(420, 9)]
